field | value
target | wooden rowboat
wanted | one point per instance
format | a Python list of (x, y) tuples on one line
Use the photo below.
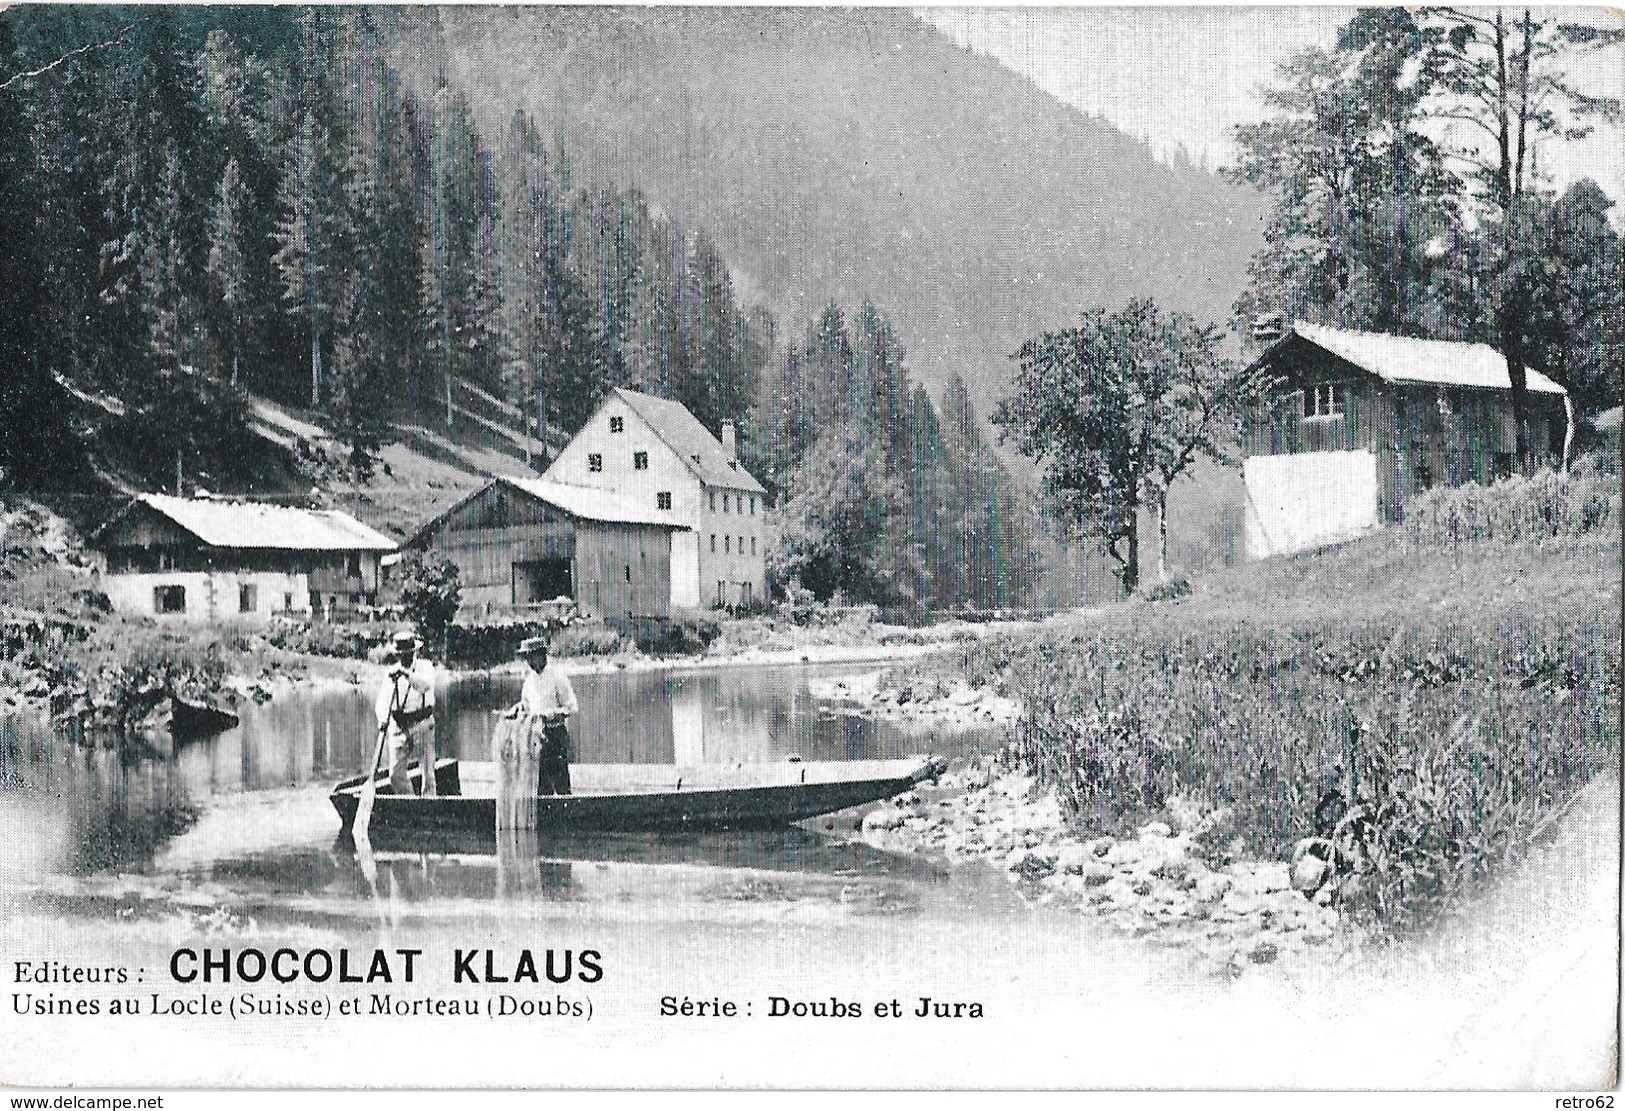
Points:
[(189, 719), (640, 797)]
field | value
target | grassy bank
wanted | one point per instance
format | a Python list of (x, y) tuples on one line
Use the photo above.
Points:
[(1426, 705)]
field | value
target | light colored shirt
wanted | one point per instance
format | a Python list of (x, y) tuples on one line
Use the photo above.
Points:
[(548, 692), (408, 690)]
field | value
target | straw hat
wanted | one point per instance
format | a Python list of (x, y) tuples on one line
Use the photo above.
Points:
[(530, 646), (406, 640)]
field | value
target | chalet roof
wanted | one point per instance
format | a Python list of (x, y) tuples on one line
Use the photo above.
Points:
[(589, 503), (256, 525), (584, 503), (1426, 361), (701, 452)]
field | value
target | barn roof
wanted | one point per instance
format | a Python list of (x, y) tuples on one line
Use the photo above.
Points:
[(701, 452), (1426, 361), (588, 503), (584, 503), (247, 524)]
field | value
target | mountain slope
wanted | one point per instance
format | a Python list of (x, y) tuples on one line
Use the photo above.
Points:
[(839, 154)]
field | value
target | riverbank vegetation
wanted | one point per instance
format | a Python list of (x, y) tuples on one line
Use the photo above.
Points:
[(1429, 704)]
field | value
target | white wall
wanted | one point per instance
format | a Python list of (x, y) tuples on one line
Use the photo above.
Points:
[(1301, 501), (685, 568), (210, 595)]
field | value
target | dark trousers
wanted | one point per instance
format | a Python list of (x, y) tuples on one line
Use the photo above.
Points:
[(553, 763)]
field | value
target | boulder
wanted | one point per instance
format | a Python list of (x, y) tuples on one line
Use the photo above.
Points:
[(1072, 856), (1027, 863), (1124, 853), (1100, 846), (1155, 829), (883, 818), (1211, 887), (1095, 873)]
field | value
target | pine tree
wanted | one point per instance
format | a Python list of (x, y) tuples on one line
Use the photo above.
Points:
[(228, 266)]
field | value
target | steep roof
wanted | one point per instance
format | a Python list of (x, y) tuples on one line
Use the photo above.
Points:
[(589, 503), (584, 503), (680, 430), (1431, 362), (247, 524)]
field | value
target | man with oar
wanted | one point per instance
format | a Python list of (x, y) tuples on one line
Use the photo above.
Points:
[(405, 710)]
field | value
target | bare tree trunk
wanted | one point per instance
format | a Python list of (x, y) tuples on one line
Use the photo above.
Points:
[(1568, 431), (1161, 510), (179, 492), (315, 365), (1131, 562)]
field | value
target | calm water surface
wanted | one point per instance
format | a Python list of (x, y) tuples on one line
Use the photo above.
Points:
[(241, 821)]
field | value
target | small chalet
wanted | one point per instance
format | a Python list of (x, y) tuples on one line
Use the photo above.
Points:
[(521, 544), (656, 454), (203, 559), (1358, 422)]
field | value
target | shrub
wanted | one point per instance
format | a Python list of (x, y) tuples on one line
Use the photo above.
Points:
[(681, 636), (1517, 509), (431, 590), (492, 643)]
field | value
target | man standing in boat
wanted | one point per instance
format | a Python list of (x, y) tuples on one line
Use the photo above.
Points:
[(406, 714), (548, 696)]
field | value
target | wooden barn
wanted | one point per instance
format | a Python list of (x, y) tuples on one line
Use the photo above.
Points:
[(208, 559), (1357, 422), (522, 543)]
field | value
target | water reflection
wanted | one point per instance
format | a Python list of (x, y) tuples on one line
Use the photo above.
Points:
[(248, 806)]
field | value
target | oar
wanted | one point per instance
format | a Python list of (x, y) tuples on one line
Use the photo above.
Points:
[(369, 788)]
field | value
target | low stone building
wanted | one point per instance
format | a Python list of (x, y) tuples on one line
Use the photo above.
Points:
[(1358, 422), (521, 544), (216, 560)]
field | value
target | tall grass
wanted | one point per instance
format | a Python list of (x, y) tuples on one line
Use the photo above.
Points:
[(1537, 507), (1448, 743)]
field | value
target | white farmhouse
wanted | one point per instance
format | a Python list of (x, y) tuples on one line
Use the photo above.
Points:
[(655, 452), (208, 560)]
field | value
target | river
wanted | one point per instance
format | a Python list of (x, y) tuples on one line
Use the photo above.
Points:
[(132, 860)]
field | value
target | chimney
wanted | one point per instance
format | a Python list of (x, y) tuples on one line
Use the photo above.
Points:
[(1267, 328), (729, 447)]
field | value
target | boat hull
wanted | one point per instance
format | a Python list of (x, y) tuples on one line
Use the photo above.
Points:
[(700, 806)]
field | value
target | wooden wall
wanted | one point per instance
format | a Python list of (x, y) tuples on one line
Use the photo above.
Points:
[(1422, 435), (615, 570)]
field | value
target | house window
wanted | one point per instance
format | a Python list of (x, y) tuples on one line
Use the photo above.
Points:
[(353, 565), (713, 543), (628, 572), (725, 502), (1324, 400), (595, 462), (753, 545), (713, 501), (169, 599), (727, 545), (753, 505), (722, 593), (744, 595), (248, 598), (640, 460), (617, 424), (287, 603), (663, 500)]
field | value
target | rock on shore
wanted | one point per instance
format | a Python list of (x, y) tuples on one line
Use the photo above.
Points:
[(934, 703), (1169, 883)]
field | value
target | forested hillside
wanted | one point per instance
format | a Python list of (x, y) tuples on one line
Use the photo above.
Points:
[(835, 155), (210, 210)]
